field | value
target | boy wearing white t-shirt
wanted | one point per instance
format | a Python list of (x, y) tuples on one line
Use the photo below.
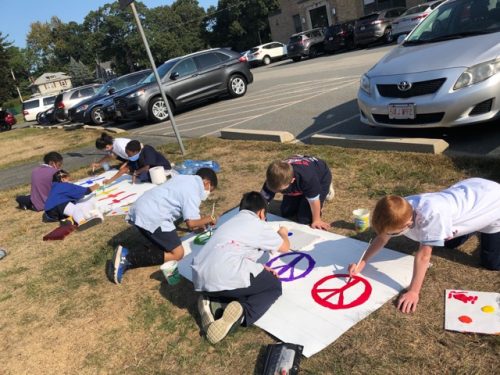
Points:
[(438, 219), (226, 267)]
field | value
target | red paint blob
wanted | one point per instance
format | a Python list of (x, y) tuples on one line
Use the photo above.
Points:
[(465, 319)]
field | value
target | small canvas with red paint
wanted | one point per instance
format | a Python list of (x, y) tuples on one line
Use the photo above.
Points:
[(469, 311)]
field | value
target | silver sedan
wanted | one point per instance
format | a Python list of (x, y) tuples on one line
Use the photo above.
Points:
[(446, 72)]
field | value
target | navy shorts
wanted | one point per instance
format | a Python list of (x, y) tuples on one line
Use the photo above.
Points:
[(166, 241)]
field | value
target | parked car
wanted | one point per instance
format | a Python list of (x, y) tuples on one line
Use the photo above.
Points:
[(266, 53), (7, 120), (305, 44), (90, 110), (32, 107), (339, 37), (70, 98), (186, 80), (412, 17), (46, 117), (376, 27), (445, 73)]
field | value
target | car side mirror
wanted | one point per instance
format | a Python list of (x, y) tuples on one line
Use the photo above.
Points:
[(174, 75), (402, 38), (111, 90)]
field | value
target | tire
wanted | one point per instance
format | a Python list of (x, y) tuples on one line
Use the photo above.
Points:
[(388, 35), (237, 86), (38, 118), (59, 116), (296, 58), (97, 116), (313, 52), (158, 110), (266, 60)]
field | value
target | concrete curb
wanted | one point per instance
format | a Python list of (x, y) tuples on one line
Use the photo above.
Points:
[(78, 126), (257, 135), (424, 145)]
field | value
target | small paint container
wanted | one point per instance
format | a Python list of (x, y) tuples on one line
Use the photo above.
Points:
[(171, 272), (361, 219)]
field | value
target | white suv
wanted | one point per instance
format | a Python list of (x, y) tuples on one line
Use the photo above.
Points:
[(266, 53), (32, 107)]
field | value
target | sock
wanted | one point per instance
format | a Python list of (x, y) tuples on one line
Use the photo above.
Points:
[(145, 258)]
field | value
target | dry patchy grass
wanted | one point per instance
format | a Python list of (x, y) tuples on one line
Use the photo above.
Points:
[(61, 315), (28, 144)]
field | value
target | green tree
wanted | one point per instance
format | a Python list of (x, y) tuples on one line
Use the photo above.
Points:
[(79, 72), (7, 88)]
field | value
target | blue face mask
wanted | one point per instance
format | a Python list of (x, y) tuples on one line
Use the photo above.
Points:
[(135, 157)]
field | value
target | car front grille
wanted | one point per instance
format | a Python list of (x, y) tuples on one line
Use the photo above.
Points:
[(417, 89), (425, 118), (481, 108), (120, 104)]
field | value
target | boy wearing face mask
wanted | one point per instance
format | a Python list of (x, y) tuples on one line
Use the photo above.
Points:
[(115, 150), (140, 159), (445, 218), (154, 214)]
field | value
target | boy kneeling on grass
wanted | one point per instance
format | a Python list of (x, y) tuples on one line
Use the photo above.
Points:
[(226, 268), (62, 203), (446, 218), (154, 214), (305, 182)]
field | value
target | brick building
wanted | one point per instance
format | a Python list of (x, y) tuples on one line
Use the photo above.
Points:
[(295, 16)]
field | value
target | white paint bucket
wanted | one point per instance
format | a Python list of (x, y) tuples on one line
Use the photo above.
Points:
[(157, 175), (361, 219), (171, 272)]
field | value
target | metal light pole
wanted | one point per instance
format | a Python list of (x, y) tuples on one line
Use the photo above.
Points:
[(157, 76)]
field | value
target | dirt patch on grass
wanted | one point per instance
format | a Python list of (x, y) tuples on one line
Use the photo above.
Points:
[(61, 315), (32, 143)]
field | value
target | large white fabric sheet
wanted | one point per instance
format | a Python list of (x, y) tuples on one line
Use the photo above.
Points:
[(296, 317)]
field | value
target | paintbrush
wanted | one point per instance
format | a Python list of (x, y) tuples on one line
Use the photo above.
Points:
[(359, 261), (213, 211)]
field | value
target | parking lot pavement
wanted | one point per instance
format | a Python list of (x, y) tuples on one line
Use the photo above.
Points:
[(311, 97)]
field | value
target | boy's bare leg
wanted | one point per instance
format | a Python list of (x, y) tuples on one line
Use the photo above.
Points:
[(175, 254)]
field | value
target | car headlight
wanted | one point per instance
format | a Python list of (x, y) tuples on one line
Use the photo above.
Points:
[(477, 73), (136, 94), (82, 108), (364, 84)]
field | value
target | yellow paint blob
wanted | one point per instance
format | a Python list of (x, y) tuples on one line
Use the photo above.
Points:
[(487, 309)]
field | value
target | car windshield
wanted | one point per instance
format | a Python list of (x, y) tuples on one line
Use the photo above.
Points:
[(162, 70), (457, 19), (254, 49), (105, 88)]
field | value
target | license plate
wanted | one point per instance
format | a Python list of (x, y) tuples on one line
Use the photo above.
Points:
[(118, 113), (362, 28), (401, 111)]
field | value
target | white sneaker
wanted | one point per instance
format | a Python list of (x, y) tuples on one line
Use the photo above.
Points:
[(221, 327), (331, 193), (205, 313)]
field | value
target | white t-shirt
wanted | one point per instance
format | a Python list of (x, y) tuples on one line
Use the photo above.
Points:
[(119, 145), (230, 256), (472, 205)]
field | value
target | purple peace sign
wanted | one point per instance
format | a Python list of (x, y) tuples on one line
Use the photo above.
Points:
[(289, 267)]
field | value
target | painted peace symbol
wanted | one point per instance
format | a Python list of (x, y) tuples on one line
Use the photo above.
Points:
[(323, 295), (290, 267)]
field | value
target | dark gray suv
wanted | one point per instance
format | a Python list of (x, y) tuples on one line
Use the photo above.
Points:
[(376, 27), (186, 80), (305, 44)]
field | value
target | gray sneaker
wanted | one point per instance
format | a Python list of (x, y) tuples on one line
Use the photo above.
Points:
[(206, 315), (221, 327)]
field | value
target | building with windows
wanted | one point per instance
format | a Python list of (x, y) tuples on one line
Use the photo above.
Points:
[(294, 16), (51, 83)]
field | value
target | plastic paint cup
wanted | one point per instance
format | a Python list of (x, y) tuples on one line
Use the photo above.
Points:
[(105, 166), (171, 272), (361, 219)]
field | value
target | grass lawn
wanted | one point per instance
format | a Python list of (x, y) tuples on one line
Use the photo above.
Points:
[(22, 141), (61, 315)]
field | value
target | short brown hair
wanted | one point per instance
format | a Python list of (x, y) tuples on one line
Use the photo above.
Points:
[(279, 174), (391, 213)]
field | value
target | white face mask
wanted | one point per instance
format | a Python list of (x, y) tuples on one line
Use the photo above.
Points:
[(206, 193)]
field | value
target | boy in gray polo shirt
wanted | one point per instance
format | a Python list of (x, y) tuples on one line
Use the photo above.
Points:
[(226, 267), (154, 215)]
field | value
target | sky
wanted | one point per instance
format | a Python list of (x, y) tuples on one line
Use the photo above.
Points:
[(17, 15)]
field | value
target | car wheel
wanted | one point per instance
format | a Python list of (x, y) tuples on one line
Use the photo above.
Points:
[(59, 116), (237, 86), (296, 58), (388, 35), (158, 110), (97, 116), (38, 118), (266, 60)]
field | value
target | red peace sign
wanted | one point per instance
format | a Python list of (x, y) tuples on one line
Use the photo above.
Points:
[(332, 296)]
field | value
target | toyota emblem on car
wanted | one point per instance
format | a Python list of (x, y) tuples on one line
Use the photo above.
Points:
[(404, 86)]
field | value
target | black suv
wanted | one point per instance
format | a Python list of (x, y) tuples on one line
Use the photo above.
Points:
[(90, 110), (186, 80), (305, 44), (339, 37), (376, 27)]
